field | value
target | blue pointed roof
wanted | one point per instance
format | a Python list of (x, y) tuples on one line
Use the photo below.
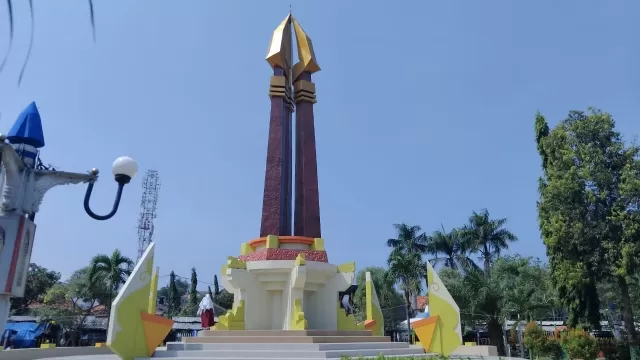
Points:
[(28, 128)]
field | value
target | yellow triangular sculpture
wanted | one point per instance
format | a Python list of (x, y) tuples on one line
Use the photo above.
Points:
[(156, 328), (425, 331), (133, 332), (448, 333), (153, 293), (375, 319)]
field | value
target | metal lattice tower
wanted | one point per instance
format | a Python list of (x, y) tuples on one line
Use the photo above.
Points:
[(150, 189)]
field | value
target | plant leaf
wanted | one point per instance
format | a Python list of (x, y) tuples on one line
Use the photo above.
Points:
[(26, 60), (10, 14), (93, 20)]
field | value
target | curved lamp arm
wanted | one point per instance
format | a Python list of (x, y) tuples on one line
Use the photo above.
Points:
[(116, 203)]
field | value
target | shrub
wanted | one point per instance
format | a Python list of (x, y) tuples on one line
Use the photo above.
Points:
[(540, 344), (614, 349), (553, 349), (579, 344), (535, 339)]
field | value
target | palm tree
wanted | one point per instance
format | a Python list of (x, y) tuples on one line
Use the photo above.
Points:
[(114, 269), (489, 237), (409, 238), (408, 270), (455, 248), (487, 304)]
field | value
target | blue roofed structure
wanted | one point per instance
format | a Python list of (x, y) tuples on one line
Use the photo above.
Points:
[(28, 128), (24, 334)]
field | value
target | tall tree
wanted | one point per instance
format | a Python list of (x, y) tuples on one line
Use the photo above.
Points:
[(39, 280), (488, 236), (588, 211), (453, 246), (505, 292), (409, 238), (216, 286), (71, 302), (408, 270), (174, 296), (193, 291), (210, 292), (114, 269)]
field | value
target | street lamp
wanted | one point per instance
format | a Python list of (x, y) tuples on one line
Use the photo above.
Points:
[(123, 169), (23, 182)]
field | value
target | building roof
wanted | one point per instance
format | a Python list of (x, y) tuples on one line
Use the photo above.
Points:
[(91, 322), (188, 322)]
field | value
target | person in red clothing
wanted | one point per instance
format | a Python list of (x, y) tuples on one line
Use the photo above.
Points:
[(205, 310)]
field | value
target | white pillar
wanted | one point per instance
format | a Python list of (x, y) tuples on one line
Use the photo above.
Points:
[(5, 305)]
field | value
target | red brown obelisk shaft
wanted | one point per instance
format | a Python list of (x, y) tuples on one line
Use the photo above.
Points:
[(276, 201), (307, 200)]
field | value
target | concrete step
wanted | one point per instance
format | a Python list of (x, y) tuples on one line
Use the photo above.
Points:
[(285, 333), (283, 339), (298, 347), (282, 354)]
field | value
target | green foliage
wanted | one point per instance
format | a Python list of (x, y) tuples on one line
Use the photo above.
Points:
[(70, 303), (454, 246), (79, 288), (579, 344), (182, 287), (390, 300), (614, 349), (175, 304), (39, 280), (216, 286), (408, 270), (588, 211), (224, 299), (409, 239), (114, 269), (516, 285), (487, 236), (539, 343), (405, 261), (193, 293)]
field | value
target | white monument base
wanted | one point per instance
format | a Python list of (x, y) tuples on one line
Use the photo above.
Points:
[(287, 294)]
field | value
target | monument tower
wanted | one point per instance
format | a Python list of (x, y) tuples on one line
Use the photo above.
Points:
[(287, 296), (291, 89)]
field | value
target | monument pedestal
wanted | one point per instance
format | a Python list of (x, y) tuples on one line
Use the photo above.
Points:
[(285, 283)]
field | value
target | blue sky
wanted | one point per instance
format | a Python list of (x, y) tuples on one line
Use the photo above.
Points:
[(425, 112)]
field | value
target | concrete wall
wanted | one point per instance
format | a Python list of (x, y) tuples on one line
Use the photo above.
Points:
[(32, 354)]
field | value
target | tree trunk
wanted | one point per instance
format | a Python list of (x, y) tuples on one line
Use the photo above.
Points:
[(494, 327), (627, 310), (108, 307), (487, 261), (406, 309)]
